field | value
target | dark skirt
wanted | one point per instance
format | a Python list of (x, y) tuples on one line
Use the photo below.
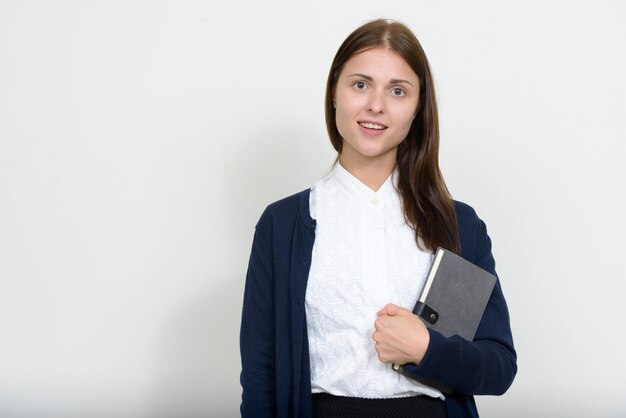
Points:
[(329, 406)]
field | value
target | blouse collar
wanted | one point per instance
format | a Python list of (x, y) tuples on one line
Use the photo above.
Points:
[(387, 193)]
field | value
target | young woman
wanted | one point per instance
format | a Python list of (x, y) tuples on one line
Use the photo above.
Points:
[(335, 269)]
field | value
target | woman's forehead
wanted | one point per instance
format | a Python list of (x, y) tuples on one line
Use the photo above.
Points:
[(379, 62)]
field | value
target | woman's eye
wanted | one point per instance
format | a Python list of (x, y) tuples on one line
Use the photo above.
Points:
[(398, 91), (360, 85)]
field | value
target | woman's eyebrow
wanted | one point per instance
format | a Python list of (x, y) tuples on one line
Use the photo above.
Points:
[(392, 81), (398, 81), (365, 76)]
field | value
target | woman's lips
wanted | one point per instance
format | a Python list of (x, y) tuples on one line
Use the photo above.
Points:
[(372, 125), (372, 128)]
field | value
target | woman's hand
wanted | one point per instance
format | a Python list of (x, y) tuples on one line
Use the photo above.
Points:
[(400, 336)]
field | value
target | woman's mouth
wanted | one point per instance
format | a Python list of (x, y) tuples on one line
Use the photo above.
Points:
[(371, 125)]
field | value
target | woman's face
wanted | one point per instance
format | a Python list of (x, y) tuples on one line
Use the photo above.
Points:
[(375, 100)]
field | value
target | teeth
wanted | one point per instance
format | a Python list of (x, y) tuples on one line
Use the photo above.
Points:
[(371, 125)]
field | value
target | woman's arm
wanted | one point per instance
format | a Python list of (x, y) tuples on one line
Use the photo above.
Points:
[(485, 366), (257, 337)]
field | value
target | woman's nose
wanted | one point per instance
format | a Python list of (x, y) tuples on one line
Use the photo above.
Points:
[(376, 103)]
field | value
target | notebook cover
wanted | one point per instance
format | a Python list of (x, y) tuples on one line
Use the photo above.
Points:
[(459, 294)]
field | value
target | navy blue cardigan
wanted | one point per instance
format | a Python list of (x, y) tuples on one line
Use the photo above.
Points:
[(276, 376)]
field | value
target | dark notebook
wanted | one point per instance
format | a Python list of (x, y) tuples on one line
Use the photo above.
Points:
[(454, 297)]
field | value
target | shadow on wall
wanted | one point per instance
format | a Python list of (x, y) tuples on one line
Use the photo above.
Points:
[(197, 374)]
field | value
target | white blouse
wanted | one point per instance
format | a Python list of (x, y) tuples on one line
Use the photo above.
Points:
[(364, 257)]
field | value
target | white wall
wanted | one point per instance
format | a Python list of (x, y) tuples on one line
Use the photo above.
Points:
[(140, 141)]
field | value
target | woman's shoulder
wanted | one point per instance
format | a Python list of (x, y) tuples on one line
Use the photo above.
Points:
[(290, 204), (287, 210), (475, 242), (465, 213)]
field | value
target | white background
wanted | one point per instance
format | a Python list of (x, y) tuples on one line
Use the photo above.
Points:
[(141, 140)]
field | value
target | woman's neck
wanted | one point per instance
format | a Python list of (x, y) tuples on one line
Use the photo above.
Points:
[(372, 173)]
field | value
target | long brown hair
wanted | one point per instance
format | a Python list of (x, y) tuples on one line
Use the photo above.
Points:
[(428, 206)]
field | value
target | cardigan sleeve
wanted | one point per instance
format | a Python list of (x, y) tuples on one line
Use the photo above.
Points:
[(257, 334), (488, 364)]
